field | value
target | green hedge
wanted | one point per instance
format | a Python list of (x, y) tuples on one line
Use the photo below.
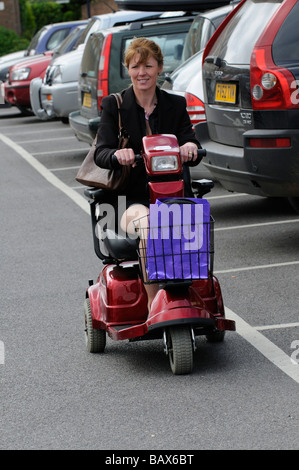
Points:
[(34, 15), (37, 13), (11, 42)]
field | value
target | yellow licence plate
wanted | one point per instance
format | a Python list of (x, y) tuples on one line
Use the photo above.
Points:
[(87, 100), (226, 92)]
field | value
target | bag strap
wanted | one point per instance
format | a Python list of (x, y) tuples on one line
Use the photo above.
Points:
[(119, 100)]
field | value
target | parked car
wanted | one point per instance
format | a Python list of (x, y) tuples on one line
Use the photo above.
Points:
[(187, 78), (48, 38), (56, 95), (252, 100), (102, 71), (203, 27), (20, 75)]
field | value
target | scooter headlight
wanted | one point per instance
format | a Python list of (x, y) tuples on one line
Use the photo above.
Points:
[(164, 163)]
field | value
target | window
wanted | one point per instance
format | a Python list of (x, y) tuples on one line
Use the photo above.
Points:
[(57, 38), (285, 47), (236, 41), (91, 56), (171, 46)]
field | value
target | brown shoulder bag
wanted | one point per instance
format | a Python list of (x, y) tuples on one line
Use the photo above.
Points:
[(91, 174)]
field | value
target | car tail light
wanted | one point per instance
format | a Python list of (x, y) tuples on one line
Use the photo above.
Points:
[(104, 69), (271, 86), (270, 142), (195, 108)]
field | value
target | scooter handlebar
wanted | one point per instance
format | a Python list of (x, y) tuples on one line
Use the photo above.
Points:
[(201, 153), (138, 158), (114, 161)]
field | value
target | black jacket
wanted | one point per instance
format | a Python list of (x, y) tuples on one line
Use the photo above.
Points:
[(171, 118)]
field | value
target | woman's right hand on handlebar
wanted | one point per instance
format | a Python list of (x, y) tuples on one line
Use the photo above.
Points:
[(125, 156)]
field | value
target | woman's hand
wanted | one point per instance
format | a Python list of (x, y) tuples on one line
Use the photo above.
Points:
[(125, 156), (188, 152)]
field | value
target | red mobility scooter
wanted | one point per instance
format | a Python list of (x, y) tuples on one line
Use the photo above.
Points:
[(189, 300)]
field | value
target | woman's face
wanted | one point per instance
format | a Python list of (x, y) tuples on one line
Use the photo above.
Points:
[(144, 75)]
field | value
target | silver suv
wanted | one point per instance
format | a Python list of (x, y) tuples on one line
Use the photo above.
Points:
[(102, 72)]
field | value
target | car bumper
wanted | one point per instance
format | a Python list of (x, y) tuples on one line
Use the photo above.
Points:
[(35, 87), (270, 172), (18, 95), (59, 100), (84, 129)]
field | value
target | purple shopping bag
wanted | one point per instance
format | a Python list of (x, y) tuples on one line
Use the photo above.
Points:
[(178, 239)]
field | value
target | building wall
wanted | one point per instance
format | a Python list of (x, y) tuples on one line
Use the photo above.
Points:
[(10, 15), (98, 8)]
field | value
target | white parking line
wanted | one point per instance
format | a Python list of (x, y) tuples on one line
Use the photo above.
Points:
[(55, 152), (277, 326), (261, 266), (44, 139), (64, 168), (48, 175), (260, 224), (272, 352)]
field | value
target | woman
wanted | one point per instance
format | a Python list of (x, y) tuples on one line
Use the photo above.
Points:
[(145, 110)]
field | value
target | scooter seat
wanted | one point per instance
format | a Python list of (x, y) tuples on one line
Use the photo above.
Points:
[(119, 247)]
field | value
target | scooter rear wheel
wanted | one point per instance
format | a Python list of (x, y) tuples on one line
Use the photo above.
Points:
[(95, 339), (180, 349)]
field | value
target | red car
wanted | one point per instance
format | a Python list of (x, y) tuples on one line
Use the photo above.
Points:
[(17, 86)]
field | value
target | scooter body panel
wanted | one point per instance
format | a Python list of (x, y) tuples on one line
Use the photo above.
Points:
[(118, 304), (118, 296)]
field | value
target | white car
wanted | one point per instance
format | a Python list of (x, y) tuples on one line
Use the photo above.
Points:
[(56, 95)]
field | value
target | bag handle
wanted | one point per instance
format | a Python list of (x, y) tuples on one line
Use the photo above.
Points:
[(123, 137), (119, 100)]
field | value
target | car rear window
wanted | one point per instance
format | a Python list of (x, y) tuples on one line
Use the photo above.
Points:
[(237, 40), (171, 46), (285, 47), (91, 56)]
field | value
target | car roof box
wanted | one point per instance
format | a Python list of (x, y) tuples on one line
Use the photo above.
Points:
[(170, 5)]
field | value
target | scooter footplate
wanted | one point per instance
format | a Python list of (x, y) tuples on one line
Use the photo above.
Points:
[(225, 324)]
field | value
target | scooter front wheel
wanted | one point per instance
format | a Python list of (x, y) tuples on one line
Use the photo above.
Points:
[(180, 349), (95, 339)]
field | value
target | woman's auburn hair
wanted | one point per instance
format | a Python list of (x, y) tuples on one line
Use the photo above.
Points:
[(146, 48)]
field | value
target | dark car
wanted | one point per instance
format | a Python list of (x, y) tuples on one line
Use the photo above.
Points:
[(102, 71), (250, 76)]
